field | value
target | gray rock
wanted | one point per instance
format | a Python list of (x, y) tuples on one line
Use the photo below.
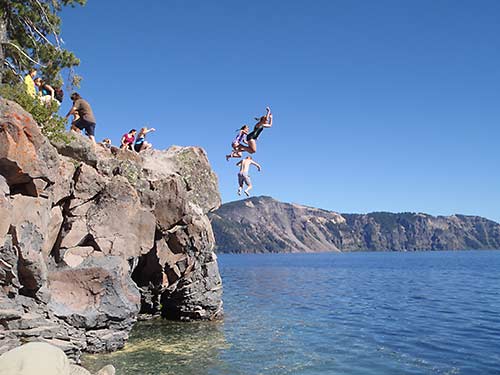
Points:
[(32, 269), (191, 164), (5, 210), (96, 294), (78, 148)]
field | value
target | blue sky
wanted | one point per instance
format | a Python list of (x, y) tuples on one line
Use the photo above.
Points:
[(383, 105)]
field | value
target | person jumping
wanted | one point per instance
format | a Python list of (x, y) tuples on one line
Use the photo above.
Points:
[(239, 140), (243, 177), (264, 122)]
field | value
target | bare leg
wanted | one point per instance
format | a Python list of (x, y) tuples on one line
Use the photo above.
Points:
[(247, 190), (251, 148), (236, 153)]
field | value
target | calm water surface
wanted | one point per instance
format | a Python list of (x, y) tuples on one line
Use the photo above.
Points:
[(357, 313)]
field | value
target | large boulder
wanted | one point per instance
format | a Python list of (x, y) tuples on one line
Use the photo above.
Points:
[(191, 164), (27, 160), (97, 294)]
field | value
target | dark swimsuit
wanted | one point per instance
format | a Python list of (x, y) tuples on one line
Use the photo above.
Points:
[(254, 134), (138, 143)]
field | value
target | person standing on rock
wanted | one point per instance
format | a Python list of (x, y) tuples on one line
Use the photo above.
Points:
[(86, 118), (243, 177)]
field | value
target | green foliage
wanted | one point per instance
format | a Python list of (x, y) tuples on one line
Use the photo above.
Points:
[(53, 126), (32, 31)]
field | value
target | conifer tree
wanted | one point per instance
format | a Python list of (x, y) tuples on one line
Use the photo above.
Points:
[(30, 37)]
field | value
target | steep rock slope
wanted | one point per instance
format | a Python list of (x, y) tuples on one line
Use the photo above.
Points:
[(262, 224), (91, 237)]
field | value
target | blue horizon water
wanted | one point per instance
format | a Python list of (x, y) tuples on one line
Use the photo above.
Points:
[(331, 313)]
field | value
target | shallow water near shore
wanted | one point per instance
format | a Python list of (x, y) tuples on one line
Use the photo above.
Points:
[(349, 313)]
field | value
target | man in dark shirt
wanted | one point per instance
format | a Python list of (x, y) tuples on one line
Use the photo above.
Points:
[(86, 118)]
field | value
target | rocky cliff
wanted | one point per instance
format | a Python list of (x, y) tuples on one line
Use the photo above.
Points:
[(263, 224), (91, 237)]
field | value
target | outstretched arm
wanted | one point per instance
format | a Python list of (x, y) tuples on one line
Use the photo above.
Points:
[(257, 165), (269, 118), (149, 130), (72, 111), (51, 90)]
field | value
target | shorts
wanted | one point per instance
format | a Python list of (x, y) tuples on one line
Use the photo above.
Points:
[(137, 147), (244, 178), (87, 125)]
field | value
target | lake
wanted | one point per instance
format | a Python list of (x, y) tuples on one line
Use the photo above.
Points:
[(335, 313)]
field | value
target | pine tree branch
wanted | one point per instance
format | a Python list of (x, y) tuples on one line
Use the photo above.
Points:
[(48, 22), (30, 24), (25, 54)]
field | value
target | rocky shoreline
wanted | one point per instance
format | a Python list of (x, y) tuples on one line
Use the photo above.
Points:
[(90, 238)]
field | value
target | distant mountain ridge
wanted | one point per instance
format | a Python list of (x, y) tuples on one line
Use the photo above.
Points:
[(263, 224)]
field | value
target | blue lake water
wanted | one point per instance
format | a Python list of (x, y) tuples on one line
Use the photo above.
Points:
[(349, 313)]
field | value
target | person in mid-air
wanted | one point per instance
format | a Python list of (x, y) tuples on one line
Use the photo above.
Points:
[(264, 122), (239, 140), (243, 177)]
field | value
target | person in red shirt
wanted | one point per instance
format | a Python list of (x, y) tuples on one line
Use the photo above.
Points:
[(128, 140)]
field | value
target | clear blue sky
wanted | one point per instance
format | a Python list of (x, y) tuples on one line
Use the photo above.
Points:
[(383, 105)]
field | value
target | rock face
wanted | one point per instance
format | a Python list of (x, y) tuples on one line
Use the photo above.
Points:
[(91, 237), (263, 224)]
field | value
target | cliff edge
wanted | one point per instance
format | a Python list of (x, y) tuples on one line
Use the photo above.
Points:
[(92, 237)]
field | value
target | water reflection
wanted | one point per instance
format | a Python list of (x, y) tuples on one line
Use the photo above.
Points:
[(162, 348)]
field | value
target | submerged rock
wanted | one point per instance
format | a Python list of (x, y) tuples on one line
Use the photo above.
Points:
[(91, 237)]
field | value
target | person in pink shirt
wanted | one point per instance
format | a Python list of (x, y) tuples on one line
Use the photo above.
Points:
[(128, 140)]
